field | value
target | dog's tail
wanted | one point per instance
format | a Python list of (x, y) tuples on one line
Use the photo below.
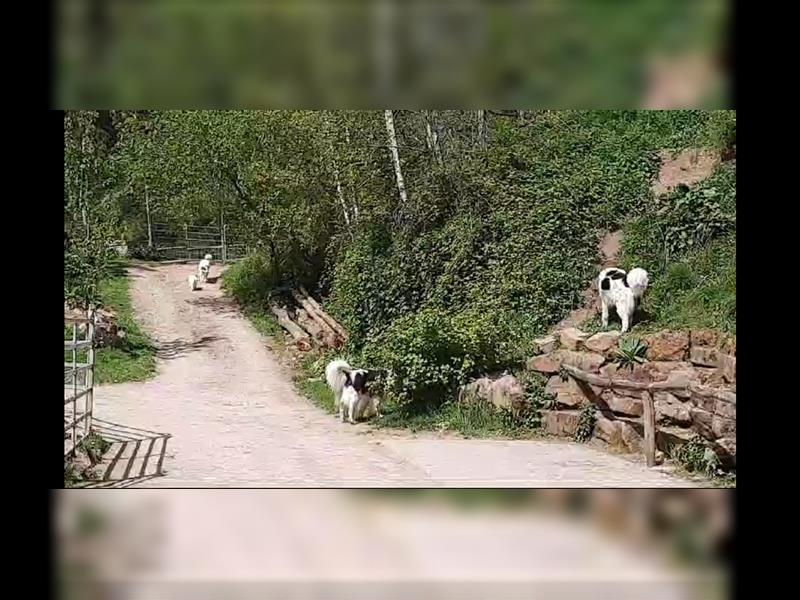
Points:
[(638, 280), (336, 374)]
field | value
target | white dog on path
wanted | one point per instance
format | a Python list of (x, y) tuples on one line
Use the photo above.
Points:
[(350, 396), (204, 268)]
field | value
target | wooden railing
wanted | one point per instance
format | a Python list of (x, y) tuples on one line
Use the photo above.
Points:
[(582, 378)]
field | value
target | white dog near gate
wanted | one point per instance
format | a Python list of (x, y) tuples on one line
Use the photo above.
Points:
[(203, 268), (623, 291), (351, 398)]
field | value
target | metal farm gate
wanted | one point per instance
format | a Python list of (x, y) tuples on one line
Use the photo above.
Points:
[(78, 379), (192, 242)]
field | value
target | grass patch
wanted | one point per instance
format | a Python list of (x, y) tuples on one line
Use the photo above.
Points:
[(135, 359), (688, 245), (695, 292), (696, 457), (699, 291), (264, 323)]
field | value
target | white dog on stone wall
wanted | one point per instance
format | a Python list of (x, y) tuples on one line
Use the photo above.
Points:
[(623, 291)]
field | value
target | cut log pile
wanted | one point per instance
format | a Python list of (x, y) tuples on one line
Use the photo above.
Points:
[(304, 320)]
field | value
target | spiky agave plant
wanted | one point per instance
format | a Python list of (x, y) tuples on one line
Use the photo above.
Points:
[(631, 352)]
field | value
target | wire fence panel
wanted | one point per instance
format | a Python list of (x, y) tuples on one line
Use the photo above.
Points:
[(79, 361), (193, 242)]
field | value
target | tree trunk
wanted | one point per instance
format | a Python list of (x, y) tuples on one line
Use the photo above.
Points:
[(340, 193), (401, 186), (433, 139), (337, 180), (313, 328), (147, 212), (482, 129)]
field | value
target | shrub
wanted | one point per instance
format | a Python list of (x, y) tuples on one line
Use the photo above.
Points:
[(586, 421), (250, 280), (430, 353), (688, 244)]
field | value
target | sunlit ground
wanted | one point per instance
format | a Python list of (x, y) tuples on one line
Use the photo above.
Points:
[(329, 543)]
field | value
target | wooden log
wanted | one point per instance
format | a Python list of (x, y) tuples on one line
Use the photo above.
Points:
[(709, 392), (293, 328), (649, 418), (302, 301), (312, 327), (325, 316)]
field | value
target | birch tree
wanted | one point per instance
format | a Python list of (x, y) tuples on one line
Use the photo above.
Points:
[(398, 172)]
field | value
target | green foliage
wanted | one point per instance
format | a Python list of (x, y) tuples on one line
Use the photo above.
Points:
[(586, 421), (250, 280), (696, 456), (95, 446), (430, 353), (91, 218), (682, 222), (514, 237), (494, 245), (135, 359), (87, 262), (688, 245), (721, 130), (631, 351), (71, 475)]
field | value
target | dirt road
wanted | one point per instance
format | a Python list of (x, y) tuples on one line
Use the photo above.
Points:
[(236, 420), (342, 544)]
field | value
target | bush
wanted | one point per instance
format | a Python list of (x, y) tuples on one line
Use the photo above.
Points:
[(682, 222), (688, 244), (697, 292), (430, 353), (250, 280)]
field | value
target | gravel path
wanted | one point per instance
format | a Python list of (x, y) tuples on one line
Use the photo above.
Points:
[(236, 420)]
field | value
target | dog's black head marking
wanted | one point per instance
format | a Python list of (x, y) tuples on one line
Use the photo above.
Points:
[(360, 382), (357, 380), (605, 284)]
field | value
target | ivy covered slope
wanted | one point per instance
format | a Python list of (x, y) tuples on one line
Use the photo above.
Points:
[(687, 242), (465, 287)]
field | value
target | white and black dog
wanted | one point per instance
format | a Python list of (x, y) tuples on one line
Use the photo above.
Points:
[(623, 291), (351, 398)]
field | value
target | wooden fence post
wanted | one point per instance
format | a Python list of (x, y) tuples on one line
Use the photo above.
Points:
[(649, 417)]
